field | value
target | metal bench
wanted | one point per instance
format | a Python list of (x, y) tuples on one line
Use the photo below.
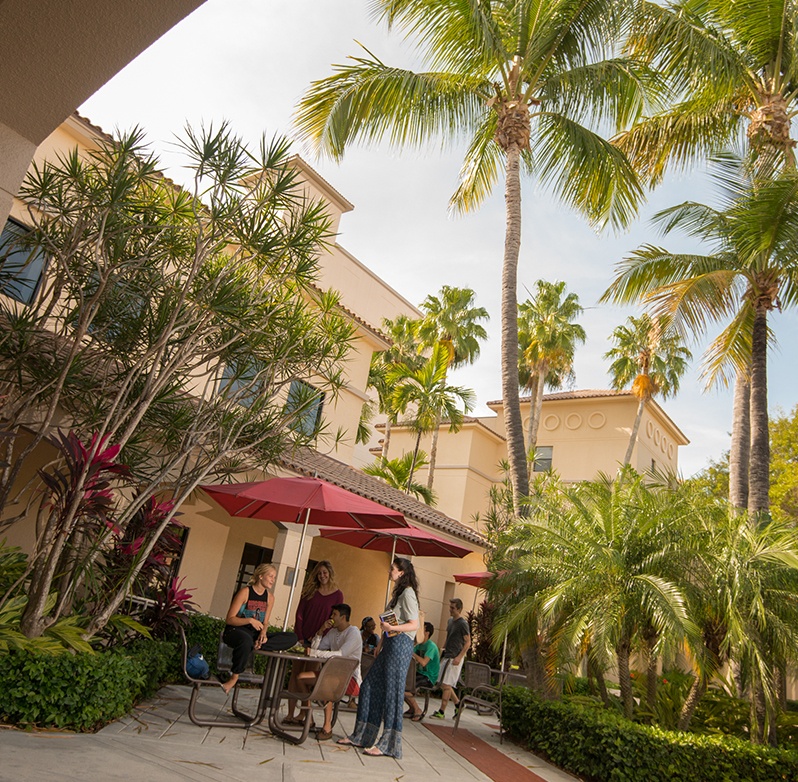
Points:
[(482, 695)]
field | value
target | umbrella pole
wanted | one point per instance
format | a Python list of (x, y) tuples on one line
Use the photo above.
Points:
[(296, 570), (504, 652), (388, 588)]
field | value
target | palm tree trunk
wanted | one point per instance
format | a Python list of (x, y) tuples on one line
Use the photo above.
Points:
[(697, 690), (386, 440), (433, 452), (413, 463), (740, 444), (635, 429), (598, 675), (651, 673), (759, 469), (533, 392), (625, 680), (513, 425), (535, 407)]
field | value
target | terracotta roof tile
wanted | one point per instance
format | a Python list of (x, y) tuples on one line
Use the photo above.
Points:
[(308, 462), (586, 393)]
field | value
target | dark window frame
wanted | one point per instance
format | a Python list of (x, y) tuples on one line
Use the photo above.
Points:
[(542, 461), (20, 286)]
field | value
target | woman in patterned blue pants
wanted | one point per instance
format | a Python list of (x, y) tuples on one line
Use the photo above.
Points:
[(381, 699)]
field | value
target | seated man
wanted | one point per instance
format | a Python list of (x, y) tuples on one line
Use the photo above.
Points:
[(342, 640), (428, 659)]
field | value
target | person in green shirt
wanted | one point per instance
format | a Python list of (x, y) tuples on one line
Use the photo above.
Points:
[(428, 660)]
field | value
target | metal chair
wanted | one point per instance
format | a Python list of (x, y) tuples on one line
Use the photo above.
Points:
[(329, 687), (198, 684), (483, 695), (417, 692)]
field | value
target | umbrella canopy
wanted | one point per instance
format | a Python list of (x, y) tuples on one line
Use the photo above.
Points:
[(409, 542), (302, 501), (478, 580), (291, 499)]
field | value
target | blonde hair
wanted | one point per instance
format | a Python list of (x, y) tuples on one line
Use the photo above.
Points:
[(261, 570), (312, 581)]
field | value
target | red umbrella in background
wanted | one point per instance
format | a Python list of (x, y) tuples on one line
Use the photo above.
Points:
[(479, 580), (410, 542), (302, 501)]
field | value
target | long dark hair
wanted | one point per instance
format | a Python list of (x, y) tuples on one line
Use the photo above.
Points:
[(407, 579)]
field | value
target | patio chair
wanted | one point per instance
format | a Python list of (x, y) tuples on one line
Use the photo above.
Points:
[(417, 692), (198, 684), (483, 696), (329, 687)]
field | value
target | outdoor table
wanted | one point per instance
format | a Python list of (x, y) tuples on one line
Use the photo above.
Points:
[(269, 700)]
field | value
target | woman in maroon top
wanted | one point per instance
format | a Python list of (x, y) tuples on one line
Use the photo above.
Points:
[(319, 595)]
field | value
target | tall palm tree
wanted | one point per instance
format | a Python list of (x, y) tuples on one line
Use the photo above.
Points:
[(397, 473), (522, 80), (732, 69), (651, 359), (752, 269), (426, 392), (404, 350), (547, 340), (453, 321)]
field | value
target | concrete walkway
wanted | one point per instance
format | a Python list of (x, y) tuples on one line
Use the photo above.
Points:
[(157, 742)]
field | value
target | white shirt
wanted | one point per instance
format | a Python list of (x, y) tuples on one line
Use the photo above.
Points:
[(337, 643)]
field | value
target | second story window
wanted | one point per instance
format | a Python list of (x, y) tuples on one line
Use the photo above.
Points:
[(240, 384), (543, 457), (307, 402), (20, 267)]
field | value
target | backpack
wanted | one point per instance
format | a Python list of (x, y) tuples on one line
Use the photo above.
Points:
[(196, 665)]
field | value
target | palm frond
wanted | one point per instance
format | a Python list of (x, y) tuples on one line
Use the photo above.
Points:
[(481, 169), (369, 101), (586, 171)]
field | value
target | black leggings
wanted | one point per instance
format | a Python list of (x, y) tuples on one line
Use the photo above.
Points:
[(242, 641)]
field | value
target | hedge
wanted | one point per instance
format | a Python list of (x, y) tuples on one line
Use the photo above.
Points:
[(601, 746), (81, 691)]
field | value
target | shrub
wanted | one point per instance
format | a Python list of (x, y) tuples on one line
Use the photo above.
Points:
[(82, 691), (602, 746)]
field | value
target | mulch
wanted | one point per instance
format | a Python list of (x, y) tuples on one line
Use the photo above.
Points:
[(486, 758)]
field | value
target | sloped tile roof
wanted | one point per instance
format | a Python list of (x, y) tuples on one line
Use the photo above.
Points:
[(306, 461), (585, 393)]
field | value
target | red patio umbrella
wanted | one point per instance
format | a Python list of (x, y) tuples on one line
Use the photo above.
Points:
[(410, 541), (302, 501), (479, 580)]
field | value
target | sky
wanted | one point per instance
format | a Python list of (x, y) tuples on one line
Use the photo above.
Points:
[(250, 61)]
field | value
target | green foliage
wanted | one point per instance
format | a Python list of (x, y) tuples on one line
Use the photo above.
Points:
[(80, 691), (599, 745), (398, 473), (784, 464)]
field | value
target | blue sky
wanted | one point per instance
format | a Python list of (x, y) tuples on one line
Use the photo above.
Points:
[(249, 61)]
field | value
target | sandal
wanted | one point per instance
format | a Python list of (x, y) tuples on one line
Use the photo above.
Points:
[(373, 752), (324, 735), (345, 743), (418, 717), (294, 721)]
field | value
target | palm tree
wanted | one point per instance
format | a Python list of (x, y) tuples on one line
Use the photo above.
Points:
[(404, 350), (732, 67), (453, 321), (397, 473), (651, 359), (425, 391), (733, 73), (547, 340), (751, 270), (522, 80), (606, 558)]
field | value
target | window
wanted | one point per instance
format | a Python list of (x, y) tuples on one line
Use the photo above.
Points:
[(543, 456), (20, 267), (240, 383), (307, 402), (251, 557)]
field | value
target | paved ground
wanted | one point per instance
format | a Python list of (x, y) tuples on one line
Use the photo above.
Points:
[(157, 743)]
